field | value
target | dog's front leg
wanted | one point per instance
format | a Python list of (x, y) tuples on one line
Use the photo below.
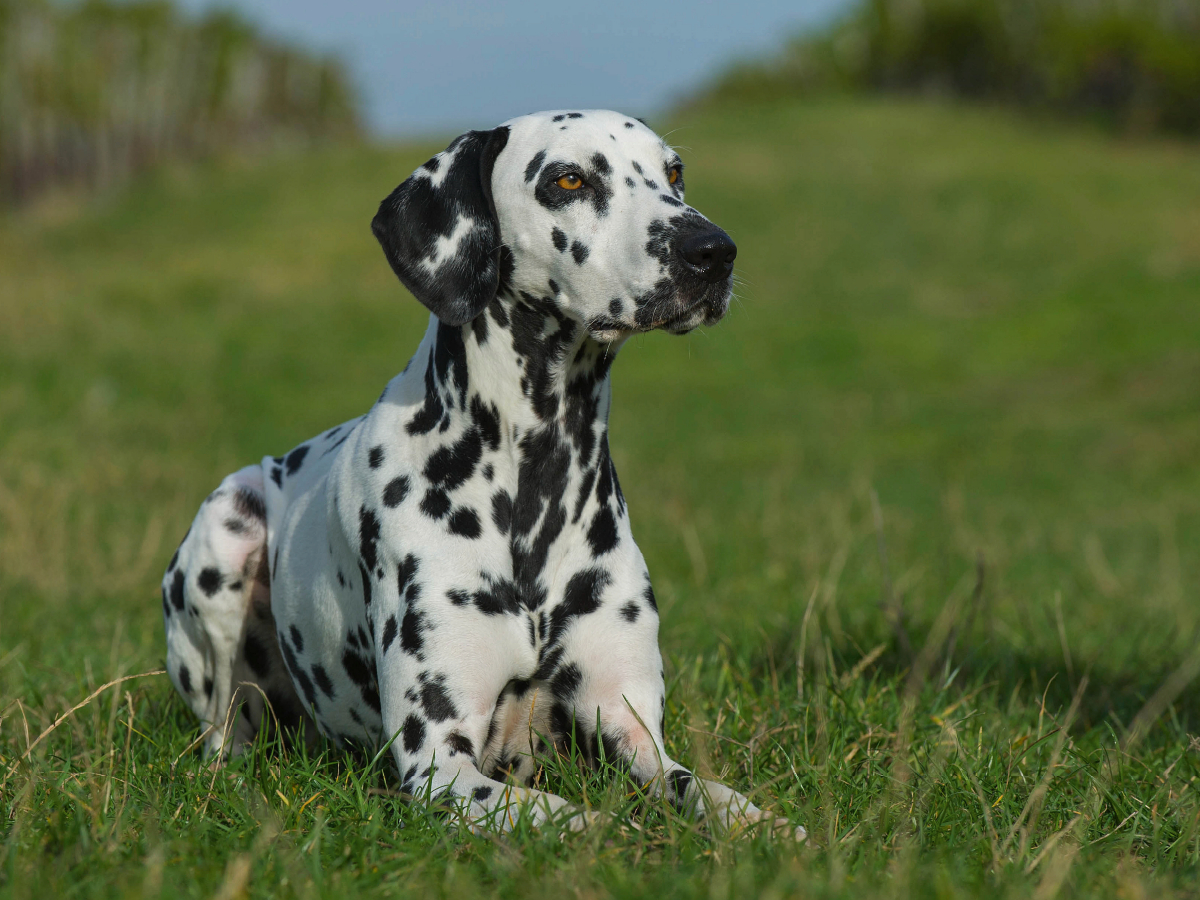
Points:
[(620, 685), (440, 720)]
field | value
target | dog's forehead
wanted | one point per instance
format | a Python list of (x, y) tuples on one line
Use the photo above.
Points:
[(575, 135)]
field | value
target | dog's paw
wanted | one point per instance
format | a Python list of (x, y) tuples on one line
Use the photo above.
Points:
[(579, 820), (751, 822)]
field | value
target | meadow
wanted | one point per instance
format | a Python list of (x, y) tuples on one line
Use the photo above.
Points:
[(923, 515)]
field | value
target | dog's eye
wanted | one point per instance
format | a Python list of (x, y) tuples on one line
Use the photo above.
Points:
[(571, 182), (674, 174)]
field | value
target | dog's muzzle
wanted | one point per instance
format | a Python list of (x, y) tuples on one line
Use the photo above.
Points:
[(705, 275)]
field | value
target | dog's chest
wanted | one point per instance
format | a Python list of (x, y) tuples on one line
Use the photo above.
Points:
[(396, 545)]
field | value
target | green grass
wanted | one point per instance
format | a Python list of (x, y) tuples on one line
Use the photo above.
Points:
[(992, 326)]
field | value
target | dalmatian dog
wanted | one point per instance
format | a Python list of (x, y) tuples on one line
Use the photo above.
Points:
[(453, 575)]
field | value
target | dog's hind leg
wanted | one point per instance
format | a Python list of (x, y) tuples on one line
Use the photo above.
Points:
[(222, 653)]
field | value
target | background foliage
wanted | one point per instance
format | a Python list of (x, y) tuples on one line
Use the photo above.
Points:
[(93, 92), (1133, 64)]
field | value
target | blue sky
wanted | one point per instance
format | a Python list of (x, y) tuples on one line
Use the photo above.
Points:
[(436, 67)]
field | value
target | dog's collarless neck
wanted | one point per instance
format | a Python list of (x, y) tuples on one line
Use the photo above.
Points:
[(527, 361)]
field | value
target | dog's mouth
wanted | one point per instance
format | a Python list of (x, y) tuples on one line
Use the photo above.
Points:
[(706, 311), (668, 308), (685, 306)]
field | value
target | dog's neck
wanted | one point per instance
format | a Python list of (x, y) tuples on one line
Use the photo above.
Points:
[(529, 366)]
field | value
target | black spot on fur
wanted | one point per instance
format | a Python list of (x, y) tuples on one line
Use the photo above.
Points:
[(356, 668), (210, 581), (648, 594), (390, 630), (366, 584), (459, 743), (208, 687), (534, 166), (298, 674), (295, 459), (630, 182), (368, 537), (479, 326), (297, 639), (498, 313), (375, 457), (499, 597), (249, 503), (362, 673), (579, 252), (436, 701), (465, 523), (185, 679), (502, 510), (630, 611), (566, 681), (600, 164), (395, 492), (616, 307), (487, 419), (177, 590), (517, 687), (277, 475), (458, 597), (602, 536), (321, 677), (413, 734), (581, 597), (406, 571), (481, 793), (560, 240), (431, 411), (435, 503), (450, 359), (411, 629), (450, 466)]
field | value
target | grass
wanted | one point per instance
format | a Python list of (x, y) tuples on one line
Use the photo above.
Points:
[(923, 516)]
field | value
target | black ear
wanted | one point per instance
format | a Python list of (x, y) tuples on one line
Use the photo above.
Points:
[(440, 232)]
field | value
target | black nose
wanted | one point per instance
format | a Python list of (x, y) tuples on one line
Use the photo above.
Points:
[(709, 254)]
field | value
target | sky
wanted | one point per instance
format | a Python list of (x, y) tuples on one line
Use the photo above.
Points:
[(427, 67)]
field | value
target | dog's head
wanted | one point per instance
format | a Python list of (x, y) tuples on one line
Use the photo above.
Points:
[(584, 209)]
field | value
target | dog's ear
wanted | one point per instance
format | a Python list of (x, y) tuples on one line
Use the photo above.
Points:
[(440, 232)]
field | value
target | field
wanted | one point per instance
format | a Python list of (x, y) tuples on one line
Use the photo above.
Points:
[(923, 515)]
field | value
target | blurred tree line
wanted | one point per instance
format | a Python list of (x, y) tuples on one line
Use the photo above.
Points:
[(1134, 64), (91, 93)]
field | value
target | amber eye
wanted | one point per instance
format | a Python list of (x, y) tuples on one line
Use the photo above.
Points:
[(571, 182), (674, 174)]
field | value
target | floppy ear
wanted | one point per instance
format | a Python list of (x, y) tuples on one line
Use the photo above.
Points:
[(439, 228)]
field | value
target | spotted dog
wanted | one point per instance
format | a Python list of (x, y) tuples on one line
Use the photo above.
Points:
[(454, 572)]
